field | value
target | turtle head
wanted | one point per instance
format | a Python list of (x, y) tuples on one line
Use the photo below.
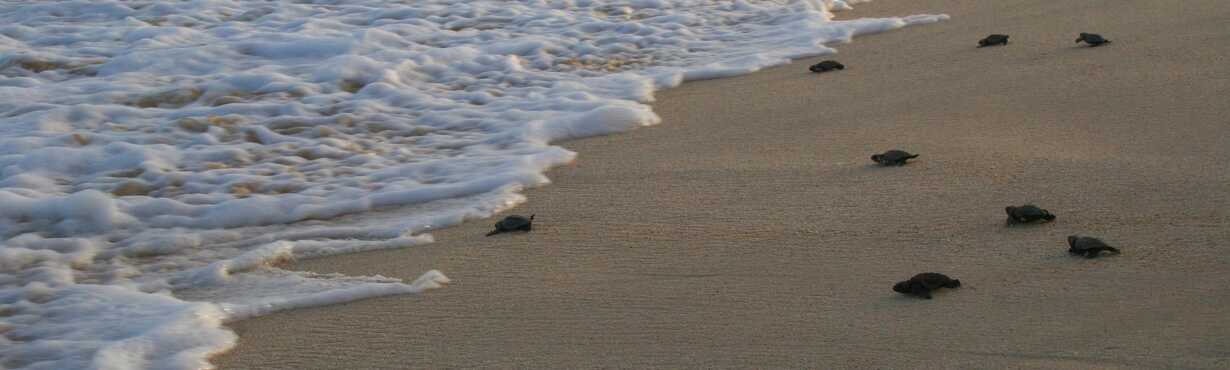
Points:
[(1078, 39), (902, 287), (1009, 210), (878, 158), (1072, 240)]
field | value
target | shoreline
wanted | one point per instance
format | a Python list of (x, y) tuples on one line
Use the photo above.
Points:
[(749, 229)]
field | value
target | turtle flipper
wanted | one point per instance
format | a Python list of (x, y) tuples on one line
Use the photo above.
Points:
[(529, 225), (955, 283)]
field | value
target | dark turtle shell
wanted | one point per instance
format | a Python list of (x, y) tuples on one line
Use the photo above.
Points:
[(1092, 39), (935, 280), (826, 66), (994, 39), (922, 284), (893, 157), (513, 223), (1028, 213), (1089, 247)]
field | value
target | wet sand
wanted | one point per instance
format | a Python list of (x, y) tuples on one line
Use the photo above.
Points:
[(749, 229)]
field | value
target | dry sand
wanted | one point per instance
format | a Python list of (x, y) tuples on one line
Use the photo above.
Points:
[(749, 230)]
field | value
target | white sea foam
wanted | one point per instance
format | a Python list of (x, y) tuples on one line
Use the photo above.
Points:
[(159, 160)]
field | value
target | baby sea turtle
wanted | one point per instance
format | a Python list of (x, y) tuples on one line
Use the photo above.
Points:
[(993, 39), (1088, 246), (1092, 39), (513, 223), (1027, 213), (826, 66), (893, 157), (922, 284)]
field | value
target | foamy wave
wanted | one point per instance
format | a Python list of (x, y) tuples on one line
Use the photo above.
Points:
[(160, 160)]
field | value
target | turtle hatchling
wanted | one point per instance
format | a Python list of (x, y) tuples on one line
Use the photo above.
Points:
[(1088, 246), (1027, 213), (1092, 39), (893, 157), (513, 223), (993, 39), (826, 66), (922, 284)]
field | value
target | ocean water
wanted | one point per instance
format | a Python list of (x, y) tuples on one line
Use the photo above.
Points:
[(160, 160)]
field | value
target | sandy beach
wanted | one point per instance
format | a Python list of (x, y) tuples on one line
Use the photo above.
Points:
[(750, 230)]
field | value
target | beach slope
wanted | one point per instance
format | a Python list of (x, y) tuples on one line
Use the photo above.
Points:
[(750, 230)]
